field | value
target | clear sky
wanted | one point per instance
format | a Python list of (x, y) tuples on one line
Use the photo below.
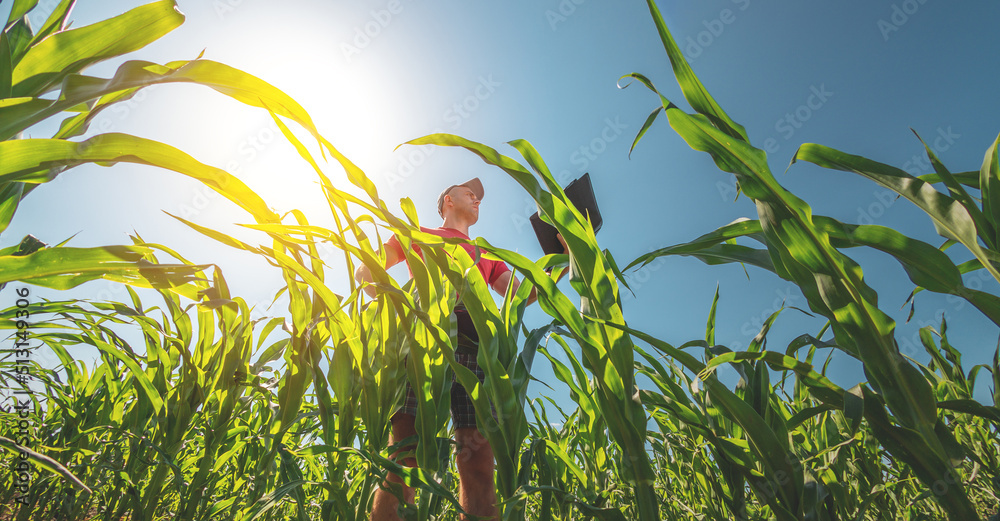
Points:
[(853, 75)]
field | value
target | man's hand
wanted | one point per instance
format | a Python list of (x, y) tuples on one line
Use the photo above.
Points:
[(363, 275), (565, 250), (501, 283)]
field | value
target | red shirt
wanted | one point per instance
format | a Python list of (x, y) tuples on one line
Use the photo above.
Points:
[(490, 269)]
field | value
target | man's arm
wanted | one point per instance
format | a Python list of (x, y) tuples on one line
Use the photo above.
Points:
[(364, 275), (500, 285)]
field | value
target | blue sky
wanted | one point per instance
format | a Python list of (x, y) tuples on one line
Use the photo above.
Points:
[(852, 75)]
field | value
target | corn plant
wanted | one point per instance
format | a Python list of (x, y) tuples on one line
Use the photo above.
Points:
[(41, 78), (129, 431), (802, 248), (214, 415)]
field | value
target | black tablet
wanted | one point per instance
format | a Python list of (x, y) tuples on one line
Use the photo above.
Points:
[(581, 193)]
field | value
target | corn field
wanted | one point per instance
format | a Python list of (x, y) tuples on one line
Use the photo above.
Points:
[(196, 411)]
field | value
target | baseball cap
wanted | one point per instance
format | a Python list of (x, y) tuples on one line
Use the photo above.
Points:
[(473, 184)]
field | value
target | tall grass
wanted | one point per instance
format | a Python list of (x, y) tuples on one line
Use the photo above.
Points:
[(214, 415)]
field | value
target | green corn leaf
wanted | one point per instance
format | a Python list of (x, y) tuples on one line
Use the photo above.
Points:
[(984, 227), (848, 301), (819, 384), (970, 179), (645, 126), (39, 160), (854, 407), (996, 377), (586, 509), (907, 446), (10, 197), (989, 183), (710, 326), (619, 276), (20, 113), (6, 67), (66, 52), (806, 340), (228, 240), (583, 399), (725, 254), (55, 22), (273, 500), (41, 460), (19, 36), (715, 247), (951, 219), (135, 371), (694, 92), (134, 75), (784, 469), (974, 408), (66, 267), (20, 8), (807, 414), (926, 265), (832, 282)]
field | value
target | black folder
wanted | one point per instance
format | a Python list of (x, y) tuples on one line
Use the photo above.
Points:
[(581, 193)]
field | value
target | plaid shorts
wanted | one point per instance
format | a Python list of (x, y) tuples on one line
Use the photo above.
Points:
[(463, 414)]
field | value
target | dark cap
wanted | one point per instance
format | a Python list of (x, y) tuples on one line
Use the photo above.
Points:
[(473, 184)]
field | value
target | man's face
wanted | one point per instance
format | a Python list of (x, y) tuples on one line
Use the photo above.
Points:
[(465, 202)]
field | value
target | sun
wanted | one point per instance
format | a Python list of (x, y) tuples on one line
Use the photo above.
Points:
[(348, 95)]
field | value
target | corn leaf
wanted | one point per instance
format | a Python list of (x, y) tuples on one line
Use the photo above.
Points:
[(951, 219), (41, 160), (66, 52), (45, 462)]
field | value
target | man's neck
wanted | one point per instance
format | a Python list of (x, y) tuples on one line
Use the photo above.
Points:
[(456, 224)]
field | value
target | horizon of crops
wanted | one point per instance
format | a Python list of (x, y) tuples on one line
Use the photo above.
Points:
[(214, 415)]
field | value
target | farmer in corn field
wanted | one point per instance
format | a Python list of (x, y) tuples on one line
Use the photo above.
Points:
[(459, 206)]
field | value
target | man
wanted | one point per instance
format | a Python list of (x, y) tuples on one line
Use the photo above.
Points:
[(458, 205)]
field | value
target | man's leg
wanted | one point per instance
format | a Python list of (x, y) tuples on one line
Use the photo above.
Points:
[(385, 506), (475, 461), (477, 491)]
